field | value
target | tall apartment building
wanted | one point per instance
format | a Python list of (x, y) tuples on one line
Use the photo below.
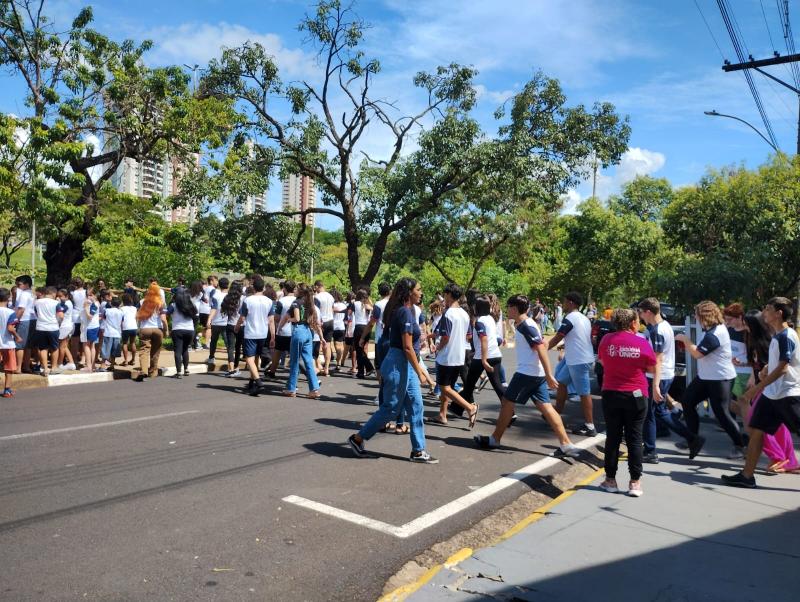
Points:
[(298, 194), (250, 204), (155, 177)]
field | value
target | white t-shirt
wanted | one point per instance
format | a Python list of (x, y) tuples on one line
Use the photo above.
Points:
[(339, 309), (662, 340), (78, 298), (784, 347), (46, 314), (716, 363), (454, 325), (205, 305), (129, 321), (180, 321), (377, 315), (25, 300), (91, 321), (114, 317), (281, 309), (67, 309), (7, 317), (219, 318), (526, 338), (486, 327), (577, 331), (360, 314), (154, 321), (324, 301), (256, 310), (739, 350)]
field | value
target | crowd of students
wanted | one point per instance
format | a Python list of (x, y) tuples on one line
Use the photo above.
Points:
[(748, 363)]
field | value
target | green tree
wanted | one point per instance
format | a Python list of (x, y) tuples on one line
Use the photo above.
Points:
[(645, 197), (741, 229), (82, 86)]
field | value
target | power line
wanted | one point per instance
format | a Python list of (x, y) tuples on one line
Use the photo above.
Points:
[(769, 32), (788, 36), (708, 27), (737, 46)]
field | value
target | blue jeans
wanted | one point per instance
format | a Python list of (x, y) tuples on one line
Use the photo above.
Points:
[(401, 391), (300, 347), (657, 413)]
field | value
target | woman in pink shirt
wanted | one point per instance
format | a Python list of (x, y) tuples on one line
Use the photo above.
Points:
[(626, 358)]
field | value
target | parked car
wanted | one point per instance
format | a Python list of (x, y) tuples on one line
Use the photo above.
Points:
[(600, 328)]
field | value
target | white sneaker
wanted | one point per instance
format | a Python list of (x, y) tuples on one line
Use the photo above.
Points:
[(635, 489), (234, 374), (69, 367), (610, 486)]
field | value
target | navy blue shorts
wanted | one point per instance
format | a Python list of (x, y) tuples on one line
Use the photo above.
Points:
[(446, 376), (253, 347), (524, 387), (46, 339)]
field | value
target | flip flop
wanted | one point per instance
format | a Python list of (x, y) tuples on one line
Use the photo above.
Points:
[(436, 420), (473, 416)]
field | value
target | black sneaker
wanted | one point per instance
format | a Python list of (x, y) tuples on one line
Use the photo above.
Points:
[(682, 445), (584, 430), (423, 457), (571, 452), (651, 458), (186, 372), (358, 448), (739, 480), (695, 446), (513, 420), (484, 442)]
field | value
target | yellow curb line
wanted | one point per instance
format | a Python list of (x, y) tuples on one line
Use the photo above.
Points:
[(402, 592)]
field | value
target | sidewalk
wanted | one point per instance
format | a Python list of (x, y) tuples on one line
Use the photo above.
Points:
[(687, 538)]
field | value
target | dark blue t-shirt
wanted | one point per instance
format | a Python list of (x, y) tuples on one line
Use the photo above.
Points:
[(403, 321)]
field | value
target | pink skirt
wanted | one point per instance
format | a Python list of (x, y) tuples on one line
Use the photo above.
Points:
[(778, 447)]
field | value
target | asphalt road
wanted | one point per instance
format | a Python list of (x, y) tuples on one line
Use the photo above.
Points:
[(188, 504)]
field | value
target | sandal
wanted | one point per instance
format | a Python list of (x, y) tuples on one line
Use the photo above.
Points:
[(389, 427), (314, 394), (287, 393), (473, 416), (403, 429), (436, 420)]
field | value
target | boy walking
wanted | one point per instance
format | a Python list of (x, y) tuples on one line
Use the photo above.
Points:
[(258, 318)]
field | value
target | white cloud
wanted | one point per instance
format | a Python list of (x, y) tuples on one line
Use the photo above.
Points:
[(568, 40), (498, 97), (198, 43), (634, 162)]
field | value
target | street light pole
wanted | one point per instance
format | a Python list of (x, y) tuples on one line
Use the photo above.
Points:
[(750, 125)]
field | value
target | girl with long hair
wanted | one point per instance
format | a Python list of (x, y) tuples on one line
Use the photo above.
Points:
[(349, 345), (152, 326), (715, 376), (362, 307), (198, 296), (400, 373), (184, 326), (304, 317), (339, 328), (234, 341), (779, 448), (487, 356)]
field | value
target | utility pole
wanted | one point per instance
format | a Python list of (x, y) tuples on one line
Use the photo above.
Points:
[(776, 60)]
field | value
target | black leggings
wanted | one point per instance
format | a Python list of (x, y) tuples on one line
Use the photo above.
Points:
[(216, 332), (718, 392), (181, 342), (234, 342), (475, 370), (364, 365), (624, 413)]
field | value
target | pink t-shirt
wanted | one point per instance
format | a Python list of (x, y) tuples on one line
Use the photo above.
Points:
[(625, 357)]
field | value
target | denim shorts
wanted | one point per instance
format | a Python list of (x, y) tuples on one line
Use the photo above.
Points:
[(111, 347), (524, 387), (576, 375), (24, 332)]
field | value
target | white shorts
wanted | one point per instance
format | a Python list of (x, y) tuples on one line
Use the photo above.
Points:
[(66, 330)]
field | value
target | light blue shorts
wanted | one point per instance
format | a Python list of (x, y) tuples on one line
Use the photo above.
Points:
[(576, 375)]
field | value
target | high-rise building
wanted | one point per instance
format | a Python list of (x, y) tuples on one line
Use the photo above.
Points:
[(155, 177), (298, 194), (250, 204)]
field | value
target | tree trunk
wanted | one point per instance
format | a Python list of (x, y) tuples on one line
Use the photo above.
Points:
[(61, 256)]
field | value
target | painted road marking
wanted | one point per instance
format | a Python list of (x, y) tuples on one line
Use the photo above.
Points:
[(95, 426), (439, 514)]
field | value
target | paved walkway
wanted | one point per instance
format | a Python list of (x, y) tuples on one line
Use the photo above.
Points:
[(687, 538)]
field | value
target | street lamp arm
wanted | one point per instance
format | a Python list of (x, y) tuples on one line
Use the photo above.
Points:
[(750, 125)]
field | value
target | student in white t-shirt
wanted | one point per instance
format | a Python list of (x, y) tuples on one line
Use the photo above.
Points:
[(324, 301), (130, 328), (715, 375), (217, 321), (576, 367), (488, 356), (283, 337), (362, 308), (26, 328), (339, 328), (258, 318), (8, 341), (112, 333), (452, 330), (184, 321), (48, 317), (90, 328), (65, 332)]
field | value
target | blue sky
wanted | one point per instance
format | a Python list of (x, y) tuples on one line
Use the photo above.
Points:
[(656, 61)]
